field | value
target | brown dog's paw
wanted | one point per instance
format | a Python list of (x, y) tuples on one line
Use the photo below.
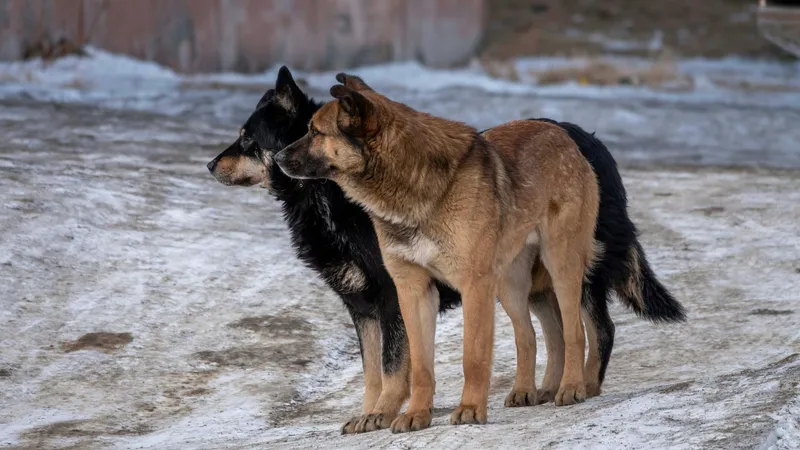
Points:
[(545, 396), (520, 398), (411, 421), (366, 423), (465, 415), (570, 394), (592, 390)]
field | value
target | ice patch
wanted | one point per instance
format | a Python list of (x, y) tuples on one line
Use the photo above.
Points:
[(786, 435)]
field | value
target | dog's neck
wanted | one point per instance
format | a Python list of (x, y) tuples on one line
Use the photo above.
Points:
[(281, 186), (413, 168)]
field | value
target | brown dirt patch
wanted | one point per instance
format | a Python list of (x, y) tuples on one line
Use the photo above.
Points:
[(274, 326), (101, 341), (245, 357), (771, 312), (52, 434), (677, 387)]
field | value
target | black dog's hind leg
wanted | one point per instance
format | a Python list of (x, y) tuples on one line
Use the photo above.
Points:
[(368, 331), (600, 332), (545, 307)]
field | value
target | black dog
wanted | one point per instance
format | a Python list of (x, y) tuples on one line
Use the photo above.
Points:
[(335, 237)]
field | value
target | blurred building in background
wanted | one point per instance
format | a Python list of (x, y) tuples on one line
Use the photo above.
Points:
[(251, 35), (247, 35)]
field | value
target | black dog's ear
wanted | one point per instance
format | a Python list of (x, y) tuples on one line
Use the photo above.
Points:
[(353, 82), (268, 96), (355, 106), (287, 94)]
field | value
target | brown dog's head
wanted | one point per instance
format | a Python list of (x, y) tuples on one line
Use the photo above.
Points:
[(336, 142)]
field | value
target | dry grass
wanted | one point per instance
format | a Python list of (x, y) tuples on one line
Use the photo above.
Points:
[(661, 74), (500, 69), (48, 50)]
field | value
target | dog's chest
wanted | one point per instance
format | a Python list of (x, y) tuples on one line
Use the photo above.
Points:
[(418, 249)]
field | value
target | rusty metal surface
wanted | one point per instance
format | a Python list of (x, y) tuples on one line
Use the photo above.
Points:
[(251, 35), (781, 25)]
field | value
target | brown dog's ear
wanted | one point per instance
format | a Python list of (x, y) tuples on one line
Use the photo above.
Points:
[(356, 109), (353, 82)]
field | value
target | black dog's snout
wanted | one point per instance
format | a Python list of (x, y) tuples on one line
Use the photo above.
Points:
[(212, 165)]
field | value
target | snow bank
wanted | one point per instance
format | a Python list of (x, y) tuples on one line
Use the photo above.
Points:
[(122, 82)]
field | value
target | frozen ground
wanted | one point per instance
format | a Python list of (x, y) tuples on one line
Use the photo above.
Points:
[(215, 337)]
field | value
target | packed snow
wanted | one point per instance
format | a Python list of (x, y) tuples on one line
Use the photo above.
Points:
[(111, 224)]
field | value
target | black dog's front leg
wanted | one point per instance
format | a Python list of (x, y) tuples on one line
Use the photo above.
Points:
[(368, 331), (396, 368)]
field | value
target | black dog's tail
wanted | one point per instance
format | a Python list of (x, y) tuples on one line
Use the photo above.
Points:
[(623, 266), (641, 291)]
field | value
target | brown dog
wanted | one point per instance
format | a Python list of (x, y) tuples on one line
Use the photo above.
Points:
[(449, 205)]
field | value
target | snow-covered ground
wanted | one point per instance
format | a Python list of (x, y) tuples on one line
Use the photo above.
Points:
[(111, 224)]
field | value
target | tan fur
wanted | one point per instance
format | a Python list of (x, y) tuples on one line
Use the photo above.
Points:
[(393, 393), (545, 306), (396, 386), (239, 170), (371, 345), (449, 204), (591, 371), (632, 289), (513, 292), (371, 359)]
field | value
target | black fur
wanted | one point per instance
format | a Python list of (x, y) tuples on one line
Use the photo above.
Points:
[(331, 234), (328, 232)]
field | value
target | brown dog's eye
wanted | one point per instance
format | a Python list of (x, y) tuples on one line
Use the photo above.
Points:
[(313, 132)]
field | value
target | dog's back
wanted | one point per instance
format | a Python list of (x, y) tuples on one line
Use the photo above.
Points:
[(544, 167)]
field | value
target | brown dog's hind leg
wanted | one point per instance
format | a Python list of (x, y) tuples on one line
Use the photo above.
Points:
[(567, 252), (513, 292), (545, 306)]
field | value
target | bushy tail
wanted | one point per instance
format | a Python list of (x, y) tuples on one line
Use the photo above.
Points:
[(644, 294)]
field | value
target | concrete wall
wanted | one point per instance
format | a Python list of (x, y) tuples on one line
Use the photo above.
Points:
[(250, 35)]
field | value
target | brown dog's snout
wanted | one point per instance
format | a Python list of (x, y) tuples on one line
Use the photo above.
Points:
[(292, 164), (212, 165), (280, 157)]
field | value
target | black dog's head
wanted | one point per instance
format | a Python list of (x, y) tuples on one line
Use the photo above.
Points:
[(280, 118)]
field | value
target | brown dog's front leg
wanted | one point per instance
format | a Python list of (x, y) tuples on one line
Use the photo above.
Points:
[(478, 303), (419, 304)]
